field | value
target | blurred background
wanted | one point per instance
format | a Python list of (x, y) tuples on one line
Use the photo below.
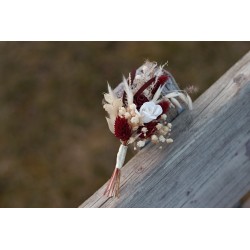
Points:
[(55, 146)]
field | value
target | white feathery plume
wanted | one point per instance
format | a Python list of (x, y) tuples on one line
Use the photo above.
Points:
[(128, 91), (186, 99), (108, 108), (117, 103), (183, 97), (172, 94), (176, 103), (190, 103), (111, 105), (157, 94), (110, 91), (160, 70), (108, 98)]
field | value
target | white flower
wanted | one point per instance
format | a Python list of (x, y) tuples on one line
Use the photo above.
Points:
[(150, 111)]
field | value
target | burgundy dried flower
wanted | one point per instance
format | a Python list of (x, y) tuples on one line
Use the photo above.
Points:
[(165, 106), (151, 127), (139, 100), (161, 80), (122, 129)]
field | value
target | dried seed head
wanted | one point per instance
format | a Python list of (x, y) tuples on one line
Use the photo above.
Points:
[(122, 129)]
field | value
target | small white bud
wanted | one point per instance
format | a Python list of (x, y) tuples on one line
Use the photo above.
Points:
[(164, 117), (122, 111), (132, 106), (141, 144), (135, 120), (169, 125), (132, 113), (165, 129), (144, 130), (154, 138), (159, 126), (169, 140), (127, 115), (161, 138)]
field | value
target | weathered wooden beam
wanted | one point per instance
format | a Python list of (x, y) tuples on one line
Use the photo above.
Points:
[(208, 165)]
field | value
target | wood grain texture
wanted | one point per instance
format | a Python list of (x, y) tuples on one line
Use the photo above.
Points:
[(208, 165)]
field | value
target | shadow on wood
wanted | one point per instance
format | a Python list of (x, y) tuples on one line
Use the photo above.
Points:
[(208, 165)]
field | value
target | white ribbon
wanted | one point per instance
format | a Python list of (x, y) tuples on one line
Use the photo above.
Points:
[(120, 158)]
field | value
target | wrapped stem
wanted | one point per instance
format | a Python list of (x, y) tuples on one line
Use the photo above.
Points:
[(113, 187)]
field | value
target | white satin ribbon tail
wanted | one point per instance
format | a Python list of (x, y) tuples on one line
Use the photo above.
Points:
[(120, 158)]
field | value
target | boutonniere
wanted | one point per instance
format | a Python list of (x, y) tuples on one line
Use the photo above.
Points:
[(138, 110)]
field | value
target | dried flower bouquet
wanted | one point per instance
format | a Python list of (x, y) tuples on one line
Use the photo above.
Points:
[(137, 113)]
